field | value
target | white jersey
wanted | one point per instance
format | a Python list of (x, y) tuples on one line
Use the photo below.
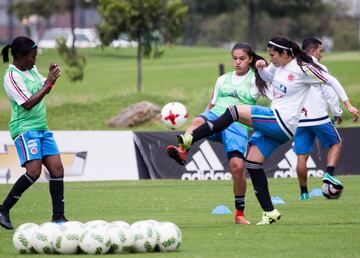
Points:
[(15, 87), (291, 86), (317, 103), (237, 80)]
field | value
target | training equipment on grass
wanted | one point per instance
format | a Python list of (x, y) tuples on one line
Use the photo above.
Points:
[(277, 200), (174, 115), (95, 241), (93, 224), (43, 238), (145, 236), (169, 236), (97, 237), (221, 209), (121, 237), (67, 239), (22, 237), (330, 192)]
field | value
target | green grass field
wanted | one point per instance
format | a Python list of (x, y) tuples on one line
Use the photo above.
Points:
[(185, 74), (315, 228)]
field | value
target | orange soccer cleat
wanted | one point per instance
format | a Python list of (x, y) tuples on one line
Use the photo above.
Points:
[(177, 153), (240, 218)]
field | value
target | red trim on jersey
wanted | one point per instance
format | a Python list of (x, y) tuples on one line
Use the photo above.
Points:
[(316, 72), (17, 88), (22, 148)]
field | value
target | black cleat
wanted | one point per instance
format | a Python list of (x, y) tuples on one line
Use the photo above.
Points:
[(5, 219), (59, 219)]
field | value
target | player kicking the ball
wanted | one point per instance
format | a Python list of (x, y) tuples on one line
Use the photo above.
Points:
[(291, 73), (241, 86)]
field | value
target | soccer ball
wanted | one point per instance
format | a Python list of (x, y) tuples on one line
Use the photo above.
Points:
[(145, 236), (174, 115), (95, 241), (22, 237), (170, 236), (121, 237), (93, 224), (43, 238), (330, 192), (67, 240)]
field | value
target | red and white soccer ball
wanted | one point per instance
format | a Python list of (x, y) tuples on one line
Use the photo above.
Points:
[(330, 192), (174, 115)]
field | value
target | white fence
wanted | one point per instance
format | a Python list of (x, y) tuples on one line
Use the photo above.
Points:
[(86, 156)]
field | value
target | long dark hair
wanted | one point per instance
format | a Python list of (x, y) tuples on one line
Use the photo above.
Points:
[(260, 83), (281, 44), (21, 46)]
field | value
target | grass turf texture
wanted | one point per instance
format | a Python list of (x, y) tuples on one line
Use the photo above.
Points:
[(185, 74), (314, 228)]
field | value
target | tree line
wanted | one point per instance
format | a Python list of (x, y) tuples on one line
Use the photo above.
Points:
[(154, 23)]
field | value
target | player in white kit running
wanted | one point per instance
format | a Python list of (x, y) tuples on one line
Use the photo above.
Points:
[(317, 124)]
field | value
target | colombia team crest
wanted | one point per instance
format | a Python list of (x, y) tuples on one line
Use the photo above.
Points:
[(290, 77)]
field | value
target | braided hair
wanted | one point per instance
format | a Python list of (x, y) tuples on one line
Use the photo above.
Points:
[(21, 46), (260, 83), (281, 44)]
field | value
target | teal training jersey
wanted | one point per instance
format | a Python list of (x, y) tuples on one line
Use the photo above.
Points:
[(21, 119), (230, 94)]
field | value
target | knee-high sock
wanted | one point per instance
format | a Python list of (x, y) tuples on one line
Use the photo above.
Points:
[(56, 186), (212, 127), (240, 202), (20, 186), (260, 184)]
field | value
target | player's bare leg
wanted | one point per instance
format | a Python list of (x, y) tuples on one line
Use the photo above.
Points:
[(301, 170)]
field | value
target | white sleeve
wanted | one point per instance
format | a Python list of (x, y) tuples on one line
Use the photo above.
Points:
[(313, 75), (256, 94), (335, 84), (219, 82), (332, 100), (267, 74), (42, 78), (15, 87)]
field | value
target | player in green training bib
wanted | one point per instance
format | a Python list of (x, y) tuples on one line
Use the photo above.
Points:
[(26, 89), (241, 86)]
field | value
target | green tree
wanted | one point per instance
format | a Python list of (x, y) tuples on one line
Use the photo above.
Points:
[(251, 13), (44, 9), (37, 10), (151, 23), (276, 9)]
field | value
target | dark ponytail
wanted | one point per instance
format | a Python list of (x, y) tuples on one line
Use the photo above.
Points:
[(260, 83), (21, 46), (5, 53), (282, 44)]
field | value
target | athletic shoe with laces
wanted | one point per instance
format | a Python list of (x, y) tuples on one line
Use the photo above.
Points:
[(269, 217), (329, 179), (177, 153), (304, 197), (240, 218), (59, 219), (5, 219), (184, 140)]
